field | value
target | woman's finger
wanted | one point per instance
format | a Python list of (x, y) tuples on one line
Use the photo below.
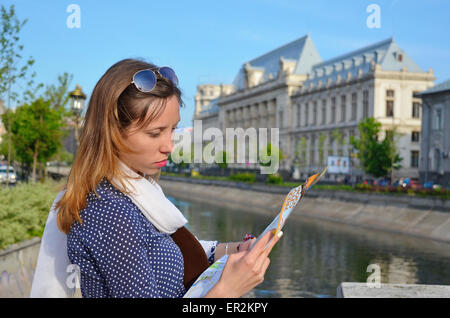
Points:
[(272, 243), (258, 247), (265, 265)]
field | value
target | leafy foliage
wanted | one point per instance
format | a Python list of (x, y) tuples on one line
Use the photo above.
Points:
[(274, 179), (376, 157), (244, 177), (24, 210), (35, 131), (265, 158)]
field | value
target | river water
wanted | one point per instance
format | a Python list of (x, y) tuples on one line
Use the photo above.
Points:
[(314, 256)]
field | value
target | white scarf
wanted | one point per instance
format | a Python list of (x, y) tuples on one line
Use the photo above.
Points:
[(53, 270)]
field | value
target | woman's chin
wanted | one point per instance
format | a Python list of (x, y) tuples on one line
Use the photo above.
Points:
[(152, 171)]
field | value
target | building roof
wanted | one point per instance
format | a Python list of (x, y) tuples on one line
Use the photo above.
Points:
[(211, 108), (442, 87), (387, 54), (301, 50)]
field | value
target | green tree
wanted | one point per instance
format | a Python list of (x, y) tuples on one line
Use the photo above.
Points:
[(301, 153), (36, 131), (377, 157), (58, 95), (4, 147), (340, 141), (180, 158), (265, 158), (321, 146), (11, 68)]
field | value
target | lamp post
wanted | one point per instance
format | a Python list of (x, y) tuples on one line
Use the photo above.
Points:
[(77, 98)]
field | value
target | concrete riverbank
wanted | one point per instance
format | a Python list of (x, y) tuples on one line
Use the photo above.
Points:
[(425, 218)]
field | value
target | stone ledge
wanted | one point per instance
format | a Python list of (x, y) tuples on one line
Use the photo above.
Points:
[(21, 245), (434, 204)]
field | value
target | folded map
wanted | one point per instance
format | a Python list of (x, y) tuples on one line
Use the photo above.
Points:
[(212, 274)]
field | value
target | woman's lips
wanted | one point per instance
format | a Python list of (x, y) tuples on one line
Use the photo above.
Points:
[(161, 163)]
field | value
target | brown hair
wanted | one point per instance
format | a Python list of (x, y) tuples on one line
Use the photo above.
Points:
[(114, 105)]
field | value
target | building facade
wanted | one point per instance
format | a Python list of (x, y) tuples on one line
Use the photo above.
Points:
[(377, 81), (317, 105), (435, 142)]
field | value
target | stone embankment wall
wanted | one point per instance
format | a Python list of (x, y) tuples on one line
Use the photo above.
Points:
[(422, 217)]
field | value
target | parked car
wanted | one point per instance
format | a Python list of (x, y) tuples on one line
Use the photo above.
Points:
[(431, 185), (368, 181), (382, 182), (411, 183), (12, 174), (428, 185)]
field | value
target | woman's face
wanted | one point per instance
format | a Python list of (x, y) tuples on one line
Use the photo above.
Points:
[(153, 143)]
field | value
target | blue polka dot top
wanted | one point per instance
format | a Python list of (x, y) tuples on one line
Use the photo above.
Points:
[(120, 253)]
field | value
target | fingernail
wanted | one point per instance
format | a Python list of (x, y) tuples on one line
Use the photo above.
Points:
[(280, 234)]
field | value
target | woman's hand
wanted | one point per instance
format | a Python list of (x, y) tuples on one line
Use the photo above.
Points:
[(245, 246), (245, 270)]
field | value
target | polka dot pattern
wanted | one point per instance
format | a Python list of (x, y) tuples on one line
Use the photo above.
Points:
[(120, 253)]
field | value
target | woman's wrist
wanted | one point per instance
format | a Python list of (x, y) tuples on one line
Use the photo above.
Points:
[(221, 249), (218, 291)]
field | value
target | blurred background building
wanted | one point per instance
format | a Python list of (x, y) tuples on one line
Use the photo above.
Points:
[(434, 160), (293, 89)]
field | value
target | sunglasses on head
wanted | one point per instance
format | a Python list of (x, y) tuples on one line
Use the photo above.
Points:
[(145, 80)]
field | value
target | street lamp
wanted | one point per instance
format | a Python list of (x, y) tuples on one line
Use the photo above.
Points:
[(77, 98)]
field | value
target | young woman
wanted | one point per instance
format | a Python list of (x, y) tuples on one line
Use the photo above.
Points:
[(129, 243)]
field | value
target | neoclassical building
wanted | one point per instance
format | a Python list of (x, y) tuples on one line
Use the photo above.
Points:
[(317, 105), (435, 142), (377, 81)]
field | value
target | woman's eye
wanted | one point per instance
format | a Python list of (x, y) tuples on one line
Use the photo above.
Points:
[(153, 134)]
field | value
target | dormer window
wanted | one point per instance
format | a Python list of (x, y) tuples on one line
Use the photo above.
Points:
[(400, 57)]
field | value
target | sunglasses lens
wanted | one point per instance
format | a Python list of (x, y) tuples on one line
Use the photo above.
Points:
[(169, 73), (145, 80)]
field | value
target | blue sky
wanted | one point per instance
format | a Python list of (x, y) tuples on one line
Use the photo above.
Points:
[(208, 41)]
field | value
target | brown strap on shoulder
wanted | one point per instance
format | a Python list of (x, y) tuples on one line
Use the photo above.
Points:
[(195, 259)]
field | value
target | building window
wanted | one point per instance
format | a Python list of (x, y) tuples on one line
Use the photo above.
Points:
[(415, 135), (365, 104), (298, 115), (390, 103), (312, 153), (306, 113), (438, 119), (343, 108), (414, 159), (281, 119), (416, 110), (324, 111), (389, 108), (333, 110), (354, 105), (437, 159), (416, 103), (330, 144), (315, 113)]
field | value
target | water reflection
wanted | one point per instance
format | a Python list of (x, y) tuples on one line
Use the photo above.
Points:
[(314, 257)]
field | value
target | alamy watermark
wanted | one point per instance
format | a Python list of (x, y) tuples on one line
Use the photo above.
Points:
[(208, 146), (374, 19), (374, 279), (74, 19), (73, 277)]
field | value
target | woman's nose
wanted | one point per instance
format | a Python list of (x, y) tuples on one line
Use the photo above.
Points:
[(167, 145)]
